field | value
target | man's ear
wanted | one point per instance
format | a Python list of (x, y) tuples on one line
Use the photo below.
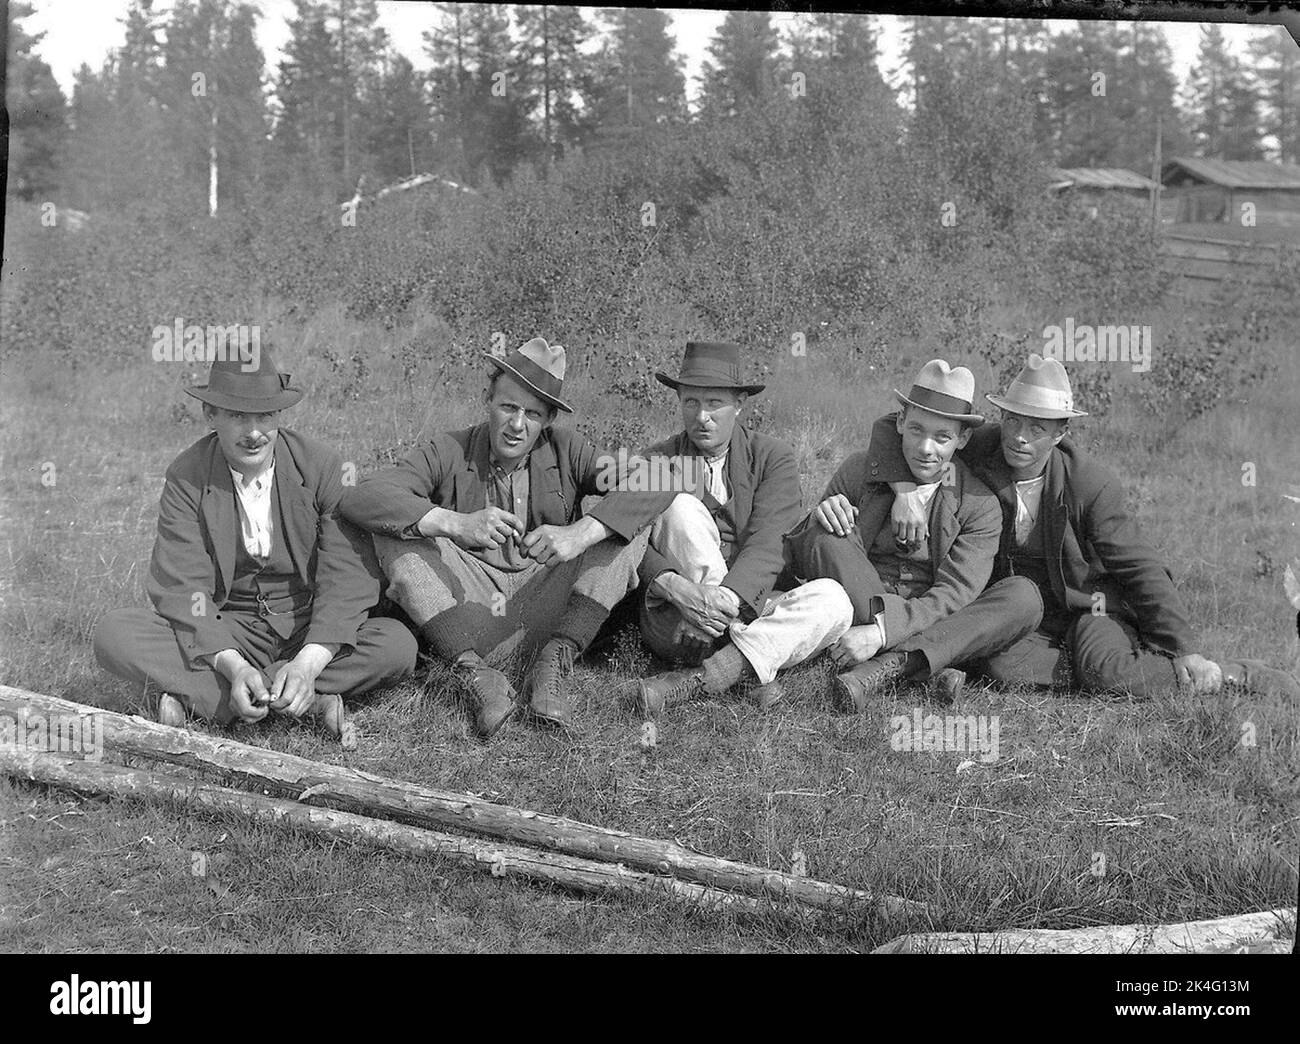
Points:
[(964, 437), (1063, 431), (741, 399), (898, 421)]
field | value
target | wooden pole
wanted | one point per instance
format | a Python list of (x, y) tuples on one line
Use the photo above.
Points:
[(503, 860), (364, 792)]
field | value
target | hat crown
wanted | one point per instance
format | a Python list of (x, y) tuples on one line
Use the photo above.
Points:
[(956, 381), (549, 357), (234, 386), (1041, 389)]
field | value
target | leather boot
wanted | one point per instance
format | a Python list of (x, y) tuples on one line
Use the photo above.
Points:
[(547, 701), (1258, 677), (854, 689), (490, 693)]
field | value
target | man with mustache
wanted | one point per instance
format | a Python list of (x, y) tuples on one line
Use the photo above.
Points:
[(1113, 621), (261, 591), (482, 537), (714, 554), (915, 605)]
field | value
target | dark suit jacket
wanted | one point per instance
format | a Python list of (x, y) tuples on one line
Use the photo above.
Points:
[(453, 468), (763, 480), (198, 526), (965, 523), (1096, 544)]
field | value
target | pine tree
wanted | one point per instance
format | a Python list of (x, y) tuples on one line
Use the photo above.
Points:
[(554, 72), (37, 113), (742, 65), (1224, 108), (1276, 60), (638, 83)]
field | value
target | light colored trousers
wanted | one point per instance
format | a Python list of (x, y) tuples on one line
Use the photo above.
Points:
[(793, 626)]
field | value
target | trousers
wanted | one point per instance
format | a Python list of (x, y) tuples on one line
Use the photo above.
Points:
[(793, 626), (140, 645), (1006, 613), (460, 603)]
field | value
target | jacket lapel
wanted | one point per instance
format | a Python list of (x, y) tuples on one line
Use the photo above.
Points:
[(944, 526), (218, 511), (298, 514), (469, 484), (546, 503), (740, 473)]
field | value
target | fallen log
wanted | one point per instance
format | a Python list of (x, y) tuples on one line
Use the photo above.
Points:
[(358, 791), (502, 860), (1259, 932)]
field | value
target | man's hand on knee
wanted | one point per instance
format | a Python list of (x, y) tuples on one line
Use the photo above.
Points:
[(551, 545), (706, 607), (836, 514)]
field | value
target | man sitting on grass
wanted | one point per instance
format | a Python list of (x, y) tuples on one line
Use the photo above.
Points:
[(915, 604), (1113, 621), (482, 537), (260, 591), (714, 552)]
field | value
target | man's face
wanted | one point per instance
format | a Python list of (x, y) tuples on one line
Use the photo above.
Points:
[(247, 439), (516, 419), (929, 442), (1027, 442), (709, 416)]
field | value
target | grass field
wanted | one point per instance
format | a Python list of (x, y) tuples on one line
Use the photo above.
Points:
[(1097, 811)]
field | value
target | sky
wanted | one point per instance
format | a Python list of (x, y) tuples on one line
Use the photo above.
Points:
[(80, 31)]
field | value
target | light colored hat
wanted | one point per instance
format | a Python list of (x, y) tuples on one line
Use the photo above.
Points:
[(1042, 389), (946, 390), (539, 367)]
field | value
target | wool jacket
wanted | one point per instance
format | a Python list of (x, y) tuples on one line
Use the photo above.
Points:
[(964, 521), (193, 563), (453, 469), (1094, 544), (762, 481)]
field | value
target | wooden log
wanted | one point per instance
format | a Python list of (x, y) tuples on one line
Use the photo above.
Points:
[(1241, 933), (354, 790), (502, 860)]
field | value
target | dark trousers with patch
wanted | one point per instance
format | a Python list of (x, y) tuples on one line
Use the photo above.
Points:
[(1003, 615), (140, 645), (1092, 653)]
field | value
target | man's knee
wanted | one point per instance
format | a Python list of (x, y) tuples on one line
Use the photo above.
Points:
[(1021, 602), (396, 647), (684, 513), (1102, 652), (816, 552), (117, 636), (828, 597)]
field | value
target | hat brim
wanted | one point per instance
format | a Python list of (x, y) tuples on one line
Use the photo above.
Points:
[(240, 404), (973, 419), (504, 366), (675, 384), (1028, 410)]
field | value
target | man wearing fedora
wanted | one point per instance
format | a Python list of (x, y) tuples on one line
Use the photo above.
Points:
[(1112, 618), (915, 605), (714, 553), (483, 539), (261, 591)]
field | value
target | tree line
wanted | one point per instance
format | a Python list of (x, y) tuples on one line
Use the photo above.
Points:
[(186, 109)]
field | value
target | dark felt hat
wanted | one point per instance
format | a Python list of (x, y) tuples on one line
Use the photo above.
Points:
[(710, 364), (540, 367), (233, 387)]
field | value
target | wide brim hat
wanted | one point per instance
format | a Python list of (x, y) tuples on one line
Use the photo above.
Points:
[(233, 387), (1041, 390), (539, 367), (710, 364), (946, 390)]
